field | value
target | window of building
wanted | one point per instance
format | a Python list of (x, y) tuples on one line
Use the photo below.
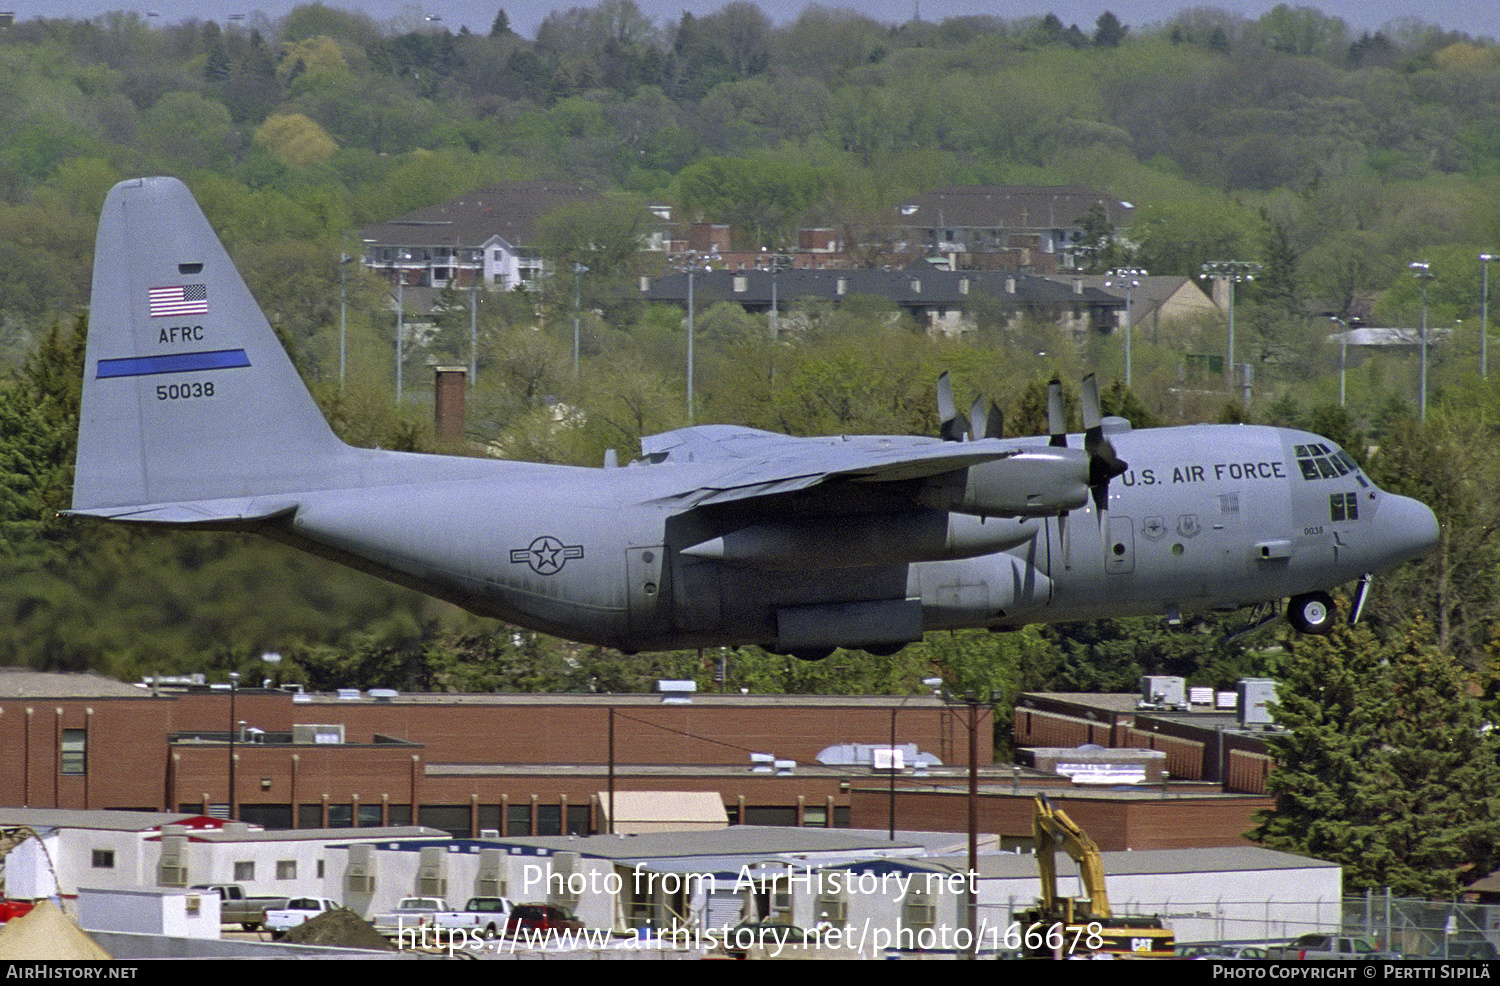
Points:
[(104, 859), (267, 816), (244, 871), (74, 751), (453, 819), (286, 869)]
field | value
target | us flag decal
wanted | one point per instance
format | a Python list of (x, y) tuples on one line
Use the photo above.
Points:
[(179, 299)]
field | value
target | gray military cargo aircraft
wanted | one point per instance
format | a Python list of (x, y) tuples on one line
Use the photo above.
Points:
[(193, 416)]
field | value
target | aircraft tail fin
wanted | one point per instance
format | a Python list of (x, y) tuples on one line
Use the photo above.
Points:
[(187, 393)]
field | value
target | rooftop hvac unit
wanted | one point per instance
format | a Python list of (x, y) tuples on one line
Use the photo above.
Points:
[(1163, 692), (1255, 695)]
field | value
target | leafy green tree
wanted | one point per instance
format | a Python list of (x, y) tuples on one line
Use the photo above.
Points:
[(1451, 465), (39, 422), (1383, 764), (1108, 31)]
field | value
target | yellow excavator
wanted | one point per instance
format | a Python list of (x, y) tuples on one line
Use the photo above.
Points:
[(1081, 927)]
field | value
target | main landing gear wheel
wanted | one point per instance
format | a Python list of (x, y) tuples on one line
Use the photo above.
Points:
[(1311, 612)]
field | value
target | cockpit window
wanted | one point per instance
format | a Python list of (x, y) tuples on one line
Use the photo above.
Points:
[(1321, 462)]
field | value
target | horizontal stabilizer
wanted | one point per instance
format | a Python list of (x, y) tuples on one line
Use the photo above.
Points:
[(206, 513)]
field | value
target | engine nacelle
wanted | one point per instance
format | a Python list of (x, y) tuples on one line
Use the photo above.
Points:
[(1041, 481), (861, 540)]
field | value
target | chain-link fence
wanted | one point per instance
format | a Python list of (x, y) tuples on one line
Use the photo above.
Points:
[(1416, 928), (1428, 928)]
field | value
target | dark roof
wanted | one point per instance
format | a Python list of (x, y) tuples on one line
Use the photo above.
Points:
[(1009, 207), (916, 287), (509, 210)]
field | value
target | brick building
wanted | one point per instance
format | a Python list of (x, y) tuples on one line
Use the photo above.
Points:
[(518, 764)]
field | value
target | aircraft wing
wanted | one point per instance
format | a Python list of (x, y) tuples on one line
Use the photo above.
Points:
[(760, 463)]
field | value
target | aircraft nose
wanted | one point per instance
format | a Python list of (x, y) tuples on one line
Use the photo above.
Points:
[(1405, 529)]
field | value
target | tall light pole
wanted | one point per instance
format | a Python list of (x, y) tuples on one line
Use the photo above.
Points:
[(690, 347), (934, 684), (1129, 278), (1231, 272), (974, 709), (1343, 353), (578, 271), (777, 262), (690, 268), (1484, 315), (473, 332), (1422, 271), (344, 259), (234, 685), (400, 332)]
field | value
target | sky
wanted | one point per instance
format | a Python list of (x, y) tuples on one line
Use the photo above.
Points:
[(1479, 18)]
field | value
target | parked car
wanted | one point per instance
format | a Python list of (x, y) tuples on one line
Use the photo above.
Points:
[(236, 907), (1351, 947), (298, 910), (775, 935), (541, 917), (1222, 952), (13, 909), (482, 916), (410, 912)]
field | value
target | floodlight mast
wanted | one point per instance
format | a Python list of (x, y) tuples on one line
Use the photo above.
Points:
[(1484, 314), (1129, 278), (1422, 271), (1231, 272)]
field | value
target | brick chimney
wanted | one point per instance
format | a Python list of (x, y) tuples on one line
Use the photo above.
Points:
[(450, 386)]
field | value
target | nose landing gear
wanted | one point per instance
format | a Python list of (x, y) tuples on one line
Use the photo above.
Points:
[(1311, 612)]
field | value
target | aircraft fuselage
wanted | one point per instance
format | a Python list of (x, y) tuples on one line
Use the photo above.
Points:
[(1206, 517)]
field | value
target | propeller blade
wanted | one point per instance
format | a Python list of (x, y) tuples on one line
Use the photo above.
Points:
[(1104, 464), (1057, 419), (978, 419), (1066, 539), (1088, 401), (994, 422), (952, 426)]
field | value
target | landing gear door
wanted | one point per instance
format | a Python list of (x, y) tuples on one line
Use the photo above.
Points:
[(645, 589)]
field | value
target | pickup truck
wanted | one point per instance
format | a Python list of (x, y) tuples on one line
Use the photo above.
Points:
[(410, 912), (481, 916), (237, 908), (298, 910), (1347, 947)]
